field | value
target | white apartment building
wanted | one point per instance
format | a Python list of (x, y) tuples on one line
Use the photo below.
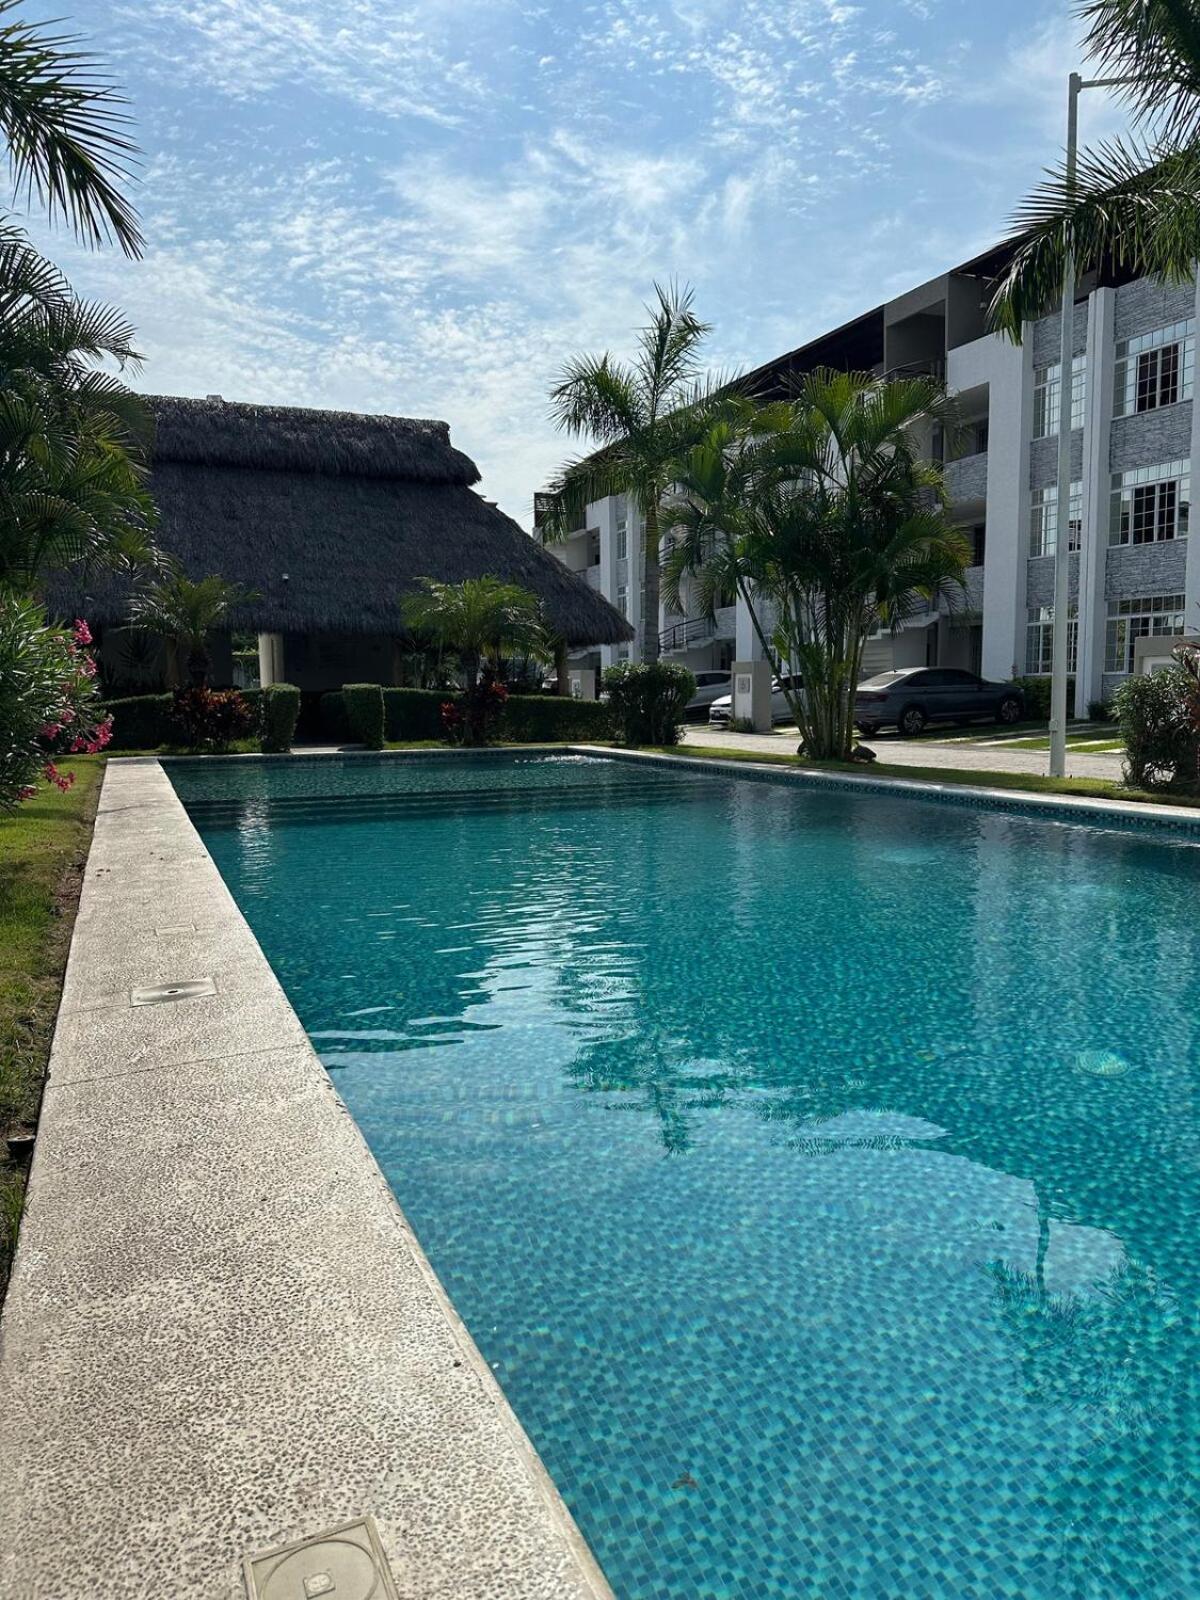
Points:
[(1133, 571)]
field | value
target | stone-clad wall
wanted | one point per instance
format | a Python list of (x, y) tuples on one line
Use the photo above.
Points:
[(966, 478), (1039, 581), (1151, 437), (1043, 460), (1136, 569), (1047, 337), (1146, 305)]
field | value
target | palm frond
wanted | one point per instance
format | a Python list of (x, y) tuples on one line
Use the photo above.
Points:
[(1138, 208), (67, 133), (1155, 45)]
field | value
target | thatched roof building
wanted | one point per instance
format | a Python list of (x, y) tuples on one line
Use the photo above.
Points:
[(330, 517)]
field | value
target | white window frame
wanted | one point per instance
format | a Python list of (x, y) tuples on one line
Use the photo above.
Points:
[(1168, 514), (623, 600), (1043, 520), (1039, 640), (1131, 396), (1154, 616), (1047, 386), (622, 539)]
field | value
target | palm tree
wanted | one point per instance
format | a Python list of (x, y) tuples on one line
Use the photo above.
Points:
[(66, 132), (184, 611), (824, 512), (1135, 202), (641, 415), (480, 618), (72, 436)]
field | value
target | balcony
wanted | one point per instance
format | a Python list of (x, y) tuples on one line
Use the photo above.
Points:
[(966, 478), (687, 635)]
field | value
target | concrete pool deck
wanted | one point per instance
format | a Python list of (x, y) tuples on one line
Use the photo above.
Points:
[(221, 1334)]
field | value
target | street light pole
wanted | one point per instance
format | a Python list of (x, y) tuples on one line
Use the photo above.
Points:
[(1060, 657)]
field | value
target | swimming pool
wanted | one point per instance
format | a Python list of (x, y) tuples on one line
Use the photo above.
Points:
[(818, 1172)]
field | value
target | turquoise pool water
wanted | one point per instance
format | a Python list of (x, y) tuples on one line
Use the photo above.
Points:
[(819, 1174)]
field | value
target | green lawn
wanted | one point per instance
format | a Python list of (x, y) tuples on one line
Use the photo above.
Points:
[(43, 847), (1028, 782)]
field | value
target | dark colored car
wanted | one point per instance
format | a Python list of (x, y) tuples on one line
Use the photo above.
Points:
[(912, 697)]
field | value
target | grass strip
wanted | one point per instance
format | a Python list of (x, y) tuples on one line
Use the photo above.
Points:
[(43, 849)]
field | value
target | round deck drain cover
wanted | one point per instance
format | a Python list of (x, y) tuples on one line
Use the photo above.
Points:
[(346, 1563)]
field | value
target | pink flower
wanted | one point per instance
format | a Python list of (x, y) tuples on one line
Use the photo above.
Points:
[(83, 634), (49, 730), (60, 780), (27, 791)]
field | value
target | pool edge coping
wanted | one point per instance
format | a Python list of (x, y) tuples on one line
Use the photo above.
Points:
[(1128, 814), (560, 1533)]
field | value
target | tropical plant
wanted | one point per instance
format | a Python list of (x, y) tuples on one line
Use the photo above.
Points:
[(210, 719), (479, 618), (475, 716), (647, 699), (828, 520), (48, 701), (184, 611), (72, 436), (1135, 202), (67, 132), (1159, 716), (641, 416)]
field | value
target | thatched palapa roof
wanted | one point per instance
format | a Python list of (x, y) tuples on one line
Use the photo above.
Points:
[(331, 516)]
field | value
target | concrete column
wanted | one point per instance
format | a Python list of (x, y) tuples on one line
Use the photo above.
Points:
[(1010, 407), (604, 517), (1093, 554), (752, 694), (746, 641), (270, 659)]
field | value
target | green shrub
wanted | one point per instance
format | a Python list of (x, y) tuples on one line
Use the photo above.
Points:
[(278, 713), (1101, 711), (1037, 697), (414, 713), (647, 700), (1158, 725), (364, 712), (555, 719), (141, 722)]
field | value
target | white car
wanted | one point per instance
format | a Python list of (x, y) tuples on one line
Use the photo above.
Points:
[(710, 686), (720, 713)]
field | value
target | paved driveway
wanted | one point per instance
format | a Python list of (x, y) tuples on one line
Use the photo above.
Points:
[(927, 752)]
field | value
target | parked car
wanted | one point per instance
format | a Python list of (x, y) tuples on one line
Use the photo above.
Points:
[(720, 713), (710, 686), (912, 697)]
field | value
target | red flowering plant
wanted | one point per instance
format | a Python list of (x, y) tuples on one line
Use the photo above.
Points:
[(211, 719), (473, 717), (49, 703)]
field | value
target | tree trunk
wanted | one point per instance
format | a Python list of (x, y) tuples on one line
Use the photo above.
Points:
[(561, 686), (651, 584), (198, 666)]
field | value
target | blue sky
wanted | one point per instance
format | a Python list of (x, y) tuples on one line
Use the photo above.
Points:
[(423, 208)]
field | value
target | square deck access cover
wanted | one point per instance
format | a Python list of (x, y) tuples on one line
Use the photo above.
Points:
[(346, 1563)]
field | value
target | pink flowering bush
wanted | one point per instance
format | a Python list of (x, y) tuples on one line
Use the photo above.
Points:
[(49, 704)]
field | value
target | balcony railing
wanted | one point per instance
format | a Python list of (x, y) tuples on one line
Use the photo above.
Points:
[(683, 635)]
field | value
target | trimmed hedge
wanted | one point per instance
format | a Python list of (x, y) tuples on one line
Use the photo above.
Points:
[(364, 712), (555, 719), (1037, 697), (411, 714), (648, 699), (142, 722), (278, 712)]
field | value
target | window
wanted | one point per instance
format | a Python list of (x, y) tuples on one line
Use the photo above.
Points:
[(623, 600), (1039, 640), (1150, 503), (977, 539), (1047, 387), (1130, 620), (1043, 520), (1155, 369), (622, 539)]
